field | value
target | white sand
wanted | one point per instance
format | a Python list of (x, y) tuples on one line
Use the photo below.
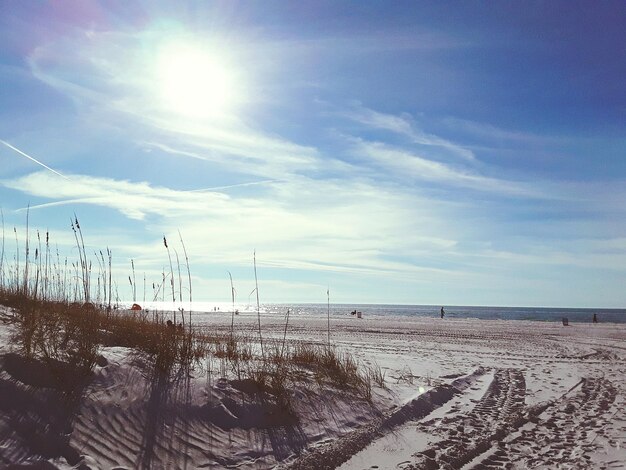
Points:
[(526, 394)]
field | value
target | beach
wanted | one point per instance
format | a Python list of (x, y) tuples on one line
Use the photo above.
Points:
[(312, 235), (456, 393)]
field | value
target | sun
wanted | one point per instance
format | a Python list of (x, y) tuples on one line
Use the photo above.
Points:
[(192, 81)]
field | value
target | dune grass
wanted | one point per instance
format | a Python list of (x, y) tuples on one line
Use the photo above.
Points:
[(62, 317)]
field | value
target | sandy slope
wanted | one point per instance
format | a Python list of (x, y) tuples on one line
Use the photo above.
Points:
[(461, 394)]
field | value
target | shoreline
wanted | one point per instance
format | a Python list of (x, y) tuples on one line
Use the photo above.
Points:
[(337, 311)]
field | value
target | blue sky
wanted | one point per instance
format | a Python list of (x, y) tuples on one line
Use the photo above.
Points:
[(395, 152)]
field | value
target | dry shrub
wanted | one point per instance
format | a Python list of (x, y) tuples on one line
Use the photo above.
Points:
[(375, 374), (232, 347), (72, 334), (406, 376), (58, 334), (170, 346), (328, 364)]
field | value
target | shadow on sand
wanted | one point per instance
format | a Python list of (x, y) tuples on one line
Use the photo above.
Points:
[(174, 426), (39, 402)]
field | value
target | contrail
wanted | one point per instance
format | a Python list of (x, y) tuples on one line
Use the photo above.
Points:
[(238, 185), (33, 159), (56, 203)]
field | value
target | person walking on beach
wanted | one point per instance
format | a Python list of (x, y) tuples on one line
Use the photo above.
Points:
[(442, 312), (595, 318)]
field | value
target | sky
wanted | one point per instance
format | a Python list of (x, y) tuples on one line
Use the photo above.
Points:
[(446, 153)]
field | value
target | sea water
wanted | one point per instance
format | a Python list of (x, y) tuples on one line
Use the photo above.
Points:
[(575, 315)]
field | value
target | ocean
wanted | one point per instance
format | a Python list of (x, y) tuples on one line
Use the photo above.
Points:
[(574, 315)]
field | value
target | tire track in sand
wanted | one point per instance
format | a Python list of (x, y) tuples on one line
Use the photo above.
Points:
[(464, 437), (560, 435), (331, 456)]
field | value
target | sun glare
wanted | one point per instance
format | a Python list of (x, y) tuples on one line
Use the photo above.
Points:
[(193, 82)]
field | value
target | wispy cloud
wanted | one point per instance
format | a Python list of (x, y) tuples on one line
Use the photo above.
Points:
[(299, 224), (405, 164), (490, 133), (133, 199), (404, 126), (122, 90), (239, 151), (379, 41)]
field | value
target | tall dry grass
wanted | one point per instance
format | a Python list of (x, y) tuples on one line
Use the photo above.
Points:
[(62, 318)]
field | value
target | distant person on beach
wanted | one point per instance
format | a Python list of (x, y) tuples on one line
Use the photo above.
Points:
[(595, 318), (442, 312)]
